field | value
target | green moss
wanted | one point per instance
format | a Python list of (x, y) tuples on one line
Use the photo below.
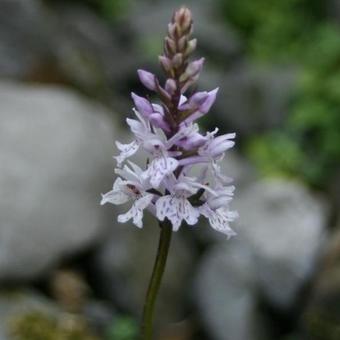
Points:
[(37, 325), (320, 325), (274, 29), (123, 328)]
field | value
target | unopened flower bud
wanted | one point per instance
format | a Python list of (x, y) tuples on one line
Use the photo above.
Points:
[(177, 60), (204, 100), (207, 104), (191, 46), (184, 18), (165, 62), (170, 86), (170, 46), (191, 142), (171, 29), (143, 106), (182, 42), (158, 120), (163, 94), (147, 79), (195, 101), (194, 67)]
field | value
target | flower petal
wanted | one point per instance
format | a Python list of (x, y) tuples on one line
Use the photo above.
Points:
[(126, 151), (176, 209), (147, 79), (166, 206), (219, 219), (159, 168), (136, 211), (116, 195)]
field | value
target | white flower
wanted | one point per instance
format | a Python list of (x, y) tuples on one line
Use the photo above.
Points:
[(126, 190), (219, 219), (160, 167), (216, 209), (126, 151), (176, 206)]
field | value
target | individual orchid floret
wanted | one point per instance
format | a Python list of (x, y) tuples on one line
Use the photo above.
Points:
[(160, 167), (215, 147), (176, 206), (127, 190), (219, 219)]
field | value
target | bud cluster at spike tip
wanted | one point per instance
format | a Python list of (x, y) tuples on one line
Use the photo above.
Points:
[(168, 132)]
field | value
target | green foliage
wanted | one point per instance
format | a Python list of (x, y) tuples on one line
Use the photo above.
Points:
[(316, 113), (276, 154), (113, 9), (123, 328), (297, 32), (274, 29)]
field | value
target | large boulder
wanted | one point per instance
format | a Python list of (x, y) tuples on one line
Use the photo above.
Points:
[(285, 226), (55, 159), (225, 293), (281, 232)]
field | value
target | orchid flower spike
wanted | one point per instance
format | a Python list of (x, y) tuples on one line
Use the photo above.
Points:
[(167, 133)]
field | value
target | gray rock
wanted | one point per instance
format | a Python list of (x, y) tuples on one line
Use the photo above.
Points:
[(225, 293), (321, 316), (281, 232), (251, 98), (124, 264), (64, 43), (25, 37), (55, 159), (89, 53), (285, 226)]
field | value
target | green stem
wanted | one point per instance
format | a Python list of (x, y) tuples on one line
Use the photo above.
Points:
[(155, 281)]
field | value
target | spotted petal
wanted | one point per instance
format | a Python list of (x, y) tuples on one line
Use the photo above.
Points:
[(126, 151), (176, 209), (159, 168), (219, 219), (136, 211)]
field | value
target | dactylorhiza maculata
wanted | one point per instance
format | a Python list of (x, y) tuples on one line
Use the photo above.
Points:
[(167, 131)]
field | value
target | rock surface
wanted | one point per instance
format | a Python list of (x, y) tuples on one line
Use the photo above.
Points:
[(55, 159), (225, 292), (285, 226), (321, 316), (124, 265), (281, 231), (25, 37), (251, 99)]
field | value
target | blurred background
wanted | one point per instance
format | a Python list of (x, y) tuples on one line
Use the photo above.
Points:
[(69, 271)]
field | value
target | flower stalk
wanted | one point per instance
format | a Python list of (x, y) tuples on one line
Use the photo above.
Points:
[(155, 281)]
